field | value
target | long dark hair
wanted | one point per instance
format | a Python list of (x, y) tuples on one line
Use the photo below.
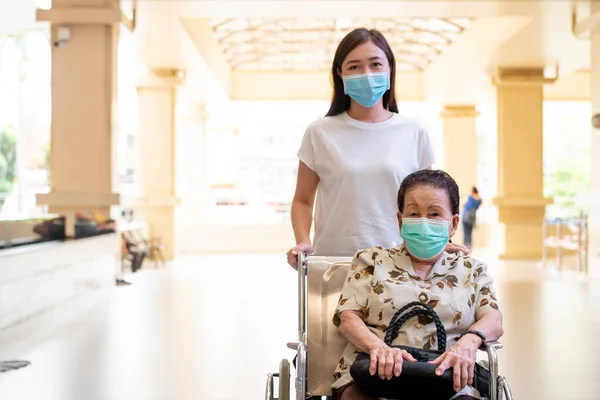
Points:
[(341, 101)]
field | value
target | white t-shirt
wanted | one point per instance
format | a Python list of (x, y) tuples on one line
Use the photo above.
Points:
[(360, 166)]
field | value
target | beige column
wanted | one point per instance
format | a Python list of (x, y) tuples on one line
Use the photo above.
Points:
[(157, 115), (460, 151), (594, 204), (460, 145), (521, 203), (84, 77)]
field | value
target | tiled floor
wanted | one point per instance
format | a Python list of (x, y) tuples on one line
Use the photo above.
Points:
[(211, 327)]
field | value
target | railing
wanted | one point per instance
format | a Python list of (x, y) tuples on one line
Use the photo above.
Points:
[(570, 234)]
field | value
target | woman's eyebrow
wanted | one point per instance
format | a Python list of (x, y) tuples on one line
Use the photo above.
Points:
[(370, 59)]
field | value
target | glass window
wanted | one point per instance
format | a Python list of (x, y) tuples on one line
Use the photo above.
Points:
[(567, 156), (252, 168), (25, 101)]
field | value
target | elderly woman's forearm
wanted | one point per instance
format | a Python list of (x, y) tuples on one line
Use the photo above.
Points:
[(355, 331), (490, 324)]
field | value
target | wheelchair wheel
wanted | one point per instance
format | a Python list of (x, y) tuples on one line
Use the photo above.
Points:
[(284, 380), (503, 389)]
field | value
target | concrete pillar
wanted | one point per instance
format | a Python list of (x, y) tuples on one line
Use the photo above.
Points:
[(460, 145), (83, 172), (157, 97), (190, 178), (521, 203), (460, 150), (594, 204)]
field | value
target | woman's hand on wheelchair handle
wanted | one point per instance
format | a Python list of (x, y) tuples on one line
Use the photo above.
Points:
[(461, 357), (292, 254), (387, 361)]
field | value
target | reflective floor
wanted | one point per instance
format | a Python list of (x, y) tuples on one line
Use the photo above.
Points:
[(211, 327)]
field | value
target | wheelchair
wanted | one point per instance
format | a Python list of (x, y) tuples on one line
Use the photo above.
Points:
[(319, 344)]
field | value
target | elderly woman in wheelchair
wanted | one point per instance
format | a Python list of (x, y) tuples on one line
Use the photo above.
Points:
[(381, 281), (409, 320)]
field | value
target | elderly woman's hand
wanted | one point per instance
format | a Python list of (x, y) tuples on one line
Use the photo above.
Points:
[(461, 357), (387, 361)]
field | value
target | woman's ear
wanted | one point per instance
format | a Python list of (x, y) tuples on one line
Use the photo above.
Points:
[(399, 220), (454, 224)]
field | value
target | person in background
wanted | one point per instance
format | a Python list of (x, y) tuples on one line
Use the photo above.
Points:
[(51, 229), (136, 250), (470, 216), (95, 224)]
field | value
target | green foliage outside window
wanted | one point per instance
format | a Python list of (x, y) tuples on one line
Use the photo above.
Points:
[(8, 161), (567, 157)]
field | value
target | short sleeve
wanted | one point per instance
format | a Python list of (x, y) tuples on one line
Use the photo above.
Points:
[(426, 155), (306, 154), (357, 286), (485, 296)]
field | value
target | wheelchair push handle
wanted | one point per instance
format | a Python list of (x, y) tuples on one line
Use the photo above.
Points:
[(302, 260)]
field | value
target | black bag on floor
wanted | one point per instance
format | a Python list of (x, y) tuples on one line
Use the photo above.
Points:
[(418, 379)]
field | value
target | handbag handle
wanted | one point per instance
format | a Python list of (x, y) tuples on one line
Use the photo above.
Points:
[(418, 308)]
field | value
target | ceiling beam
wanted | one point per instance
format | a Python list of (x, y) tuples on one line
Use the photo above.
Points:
[(205, 41), (459, 73)]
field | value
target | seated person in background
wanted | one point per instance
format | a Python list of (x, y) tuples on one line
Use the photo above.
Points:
[(135, 250), (93, 225), (51, 229), (381, 281)]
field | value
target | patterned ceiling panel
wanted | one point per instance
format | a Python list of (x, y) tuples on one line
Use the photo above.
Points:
[(309, 44)]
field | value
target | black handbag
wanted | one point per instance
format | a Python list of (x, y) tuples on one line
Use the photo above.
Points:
[(418, 379)]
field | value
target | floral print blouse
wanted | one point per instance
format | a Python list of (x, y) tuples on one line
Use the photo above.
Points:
[(381, 281)]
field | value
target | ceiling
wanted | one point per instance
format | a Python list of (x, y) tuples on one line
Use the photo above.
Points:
[(261, 44)]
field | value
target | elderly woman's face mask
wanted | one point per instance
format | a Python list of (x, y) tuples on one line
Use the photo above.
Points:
[(425, 238), (427, 222)]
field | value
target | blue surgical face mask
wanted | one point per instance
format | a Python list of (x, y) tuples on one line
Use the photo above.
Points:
[(425, 238), (367, 89)]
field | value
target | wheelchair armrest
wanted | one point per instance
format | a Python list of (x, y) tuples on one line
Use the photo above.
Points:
[(491, 348), (494, 345)]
